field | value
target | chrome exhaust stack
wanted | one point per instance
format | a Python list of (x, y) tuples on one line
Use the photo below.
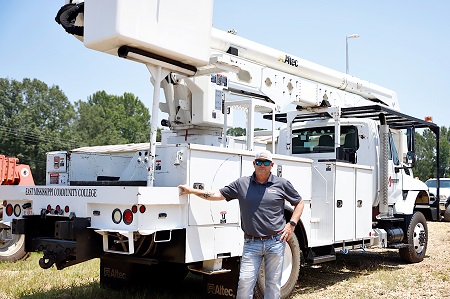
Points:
[(385, 212)]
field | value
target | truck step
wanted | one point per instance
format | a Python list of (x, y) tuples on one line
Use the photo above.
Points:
[(399, 245), (323, 259), (213, 272)]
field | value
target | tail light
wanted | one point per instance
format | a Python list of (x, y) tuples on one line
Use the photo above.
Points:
[(127, 216), (17, 210), (9, 209), (116, 216)]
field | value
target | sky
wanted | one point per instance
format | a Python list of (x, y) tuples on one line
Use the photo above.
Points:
[(403, 46)]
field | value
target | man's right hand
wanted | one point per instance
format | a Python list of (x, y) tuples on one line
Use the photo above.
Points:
[(209, 195), (185, 189)]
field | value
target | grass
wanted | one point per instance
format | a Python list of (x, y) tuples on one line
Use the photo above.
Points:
[(375, 274), (25, 279)]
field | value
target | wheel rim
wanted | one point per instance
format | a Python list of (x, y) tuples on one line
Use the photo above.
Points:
[(419, 239), (287, 265), (9, 243), (6, 238)]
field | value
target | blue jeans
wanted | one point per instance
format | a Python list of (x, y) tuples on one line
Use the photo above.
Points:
[(255, 250)]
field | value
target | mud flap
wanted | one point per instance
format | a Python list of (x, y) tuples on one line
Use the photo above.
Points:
[(115, 274), (222, 285)]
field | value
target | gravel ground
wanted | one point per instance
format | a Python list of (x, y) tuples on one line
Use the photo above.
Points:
[(382, 274)]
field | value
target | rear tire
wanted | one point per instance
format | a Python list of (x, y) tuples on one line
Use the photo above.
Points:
[(417, 239), (12, 247), (291, 270)]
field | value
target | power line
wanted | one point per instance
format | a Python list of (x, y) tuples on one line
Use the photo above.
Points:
[(27, 136)]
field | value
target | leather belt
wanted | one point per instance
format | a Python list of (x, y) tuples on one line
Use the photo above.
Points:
[(258, 238)]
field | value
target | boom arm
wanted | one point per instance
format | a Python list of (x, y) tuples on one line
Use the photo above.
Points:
[(292, 65)]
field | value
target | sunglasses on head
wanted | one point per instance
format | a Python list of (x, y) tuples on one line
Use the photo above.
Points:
[(261, 162)]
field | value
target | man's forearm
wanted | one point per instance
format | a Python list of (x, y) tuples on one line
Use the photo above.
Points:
[(206, 194), (298, 210)]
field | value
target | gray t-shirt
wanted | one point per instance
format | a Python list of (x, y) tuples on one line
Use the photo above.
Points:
[(261, 205)]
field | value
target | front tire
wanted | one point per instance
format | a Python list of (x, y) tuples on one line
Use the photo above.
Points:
[(417, 239), (291, 270)]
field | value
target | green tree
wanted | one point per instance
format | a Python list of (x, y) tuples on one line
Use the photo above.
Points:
[(35, 119), (426, 154), (236, 131), (239, 131), (108, 119)]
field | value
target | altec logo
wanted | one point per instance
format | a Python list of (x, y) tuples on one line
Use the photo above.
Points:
[(114, 273), (216, 289), (288, 59)]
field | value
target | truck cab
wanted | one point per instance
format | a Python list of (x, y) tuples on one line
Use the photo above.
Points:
[(313, 135)]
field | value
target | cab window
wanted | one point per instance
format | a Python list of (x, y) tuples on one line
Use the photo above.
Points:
[(321, 139)]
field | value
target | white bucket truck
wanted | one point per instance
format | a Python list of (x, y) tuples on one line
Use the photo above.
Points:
[(345, 146)]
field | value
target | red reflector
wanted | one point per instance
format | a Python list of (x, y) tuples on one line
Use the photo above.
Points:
[(66, 209), (58, 208), (9, 209), (134, 209), (127, 216), (49, 207), (142, 209)]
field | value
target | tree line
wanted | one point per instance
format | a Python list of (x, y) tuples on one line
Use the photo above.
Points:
[(37, 119)]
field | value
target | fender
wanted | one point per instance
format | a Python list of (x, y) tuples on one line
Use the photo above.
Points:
[(300, 230), (406, 205)]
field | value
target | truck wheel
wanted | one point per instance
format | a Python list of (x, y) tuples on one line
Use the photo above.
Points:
[(291, 270), (417, 239), (447, 214), (12, 247)]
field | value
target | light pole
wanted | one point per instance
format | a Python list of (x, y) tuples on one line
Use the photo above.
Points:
[(346, 49)]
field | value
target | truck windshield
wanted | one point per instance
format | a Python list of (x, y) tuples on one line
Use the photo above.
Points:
[(321, 139)]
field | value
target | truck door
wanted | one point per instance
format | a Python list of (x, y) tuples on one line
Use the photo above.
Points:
[(395, 177)]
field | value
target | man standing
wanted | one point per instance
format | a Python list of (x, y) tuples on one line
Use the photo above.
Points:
[(261, 200)]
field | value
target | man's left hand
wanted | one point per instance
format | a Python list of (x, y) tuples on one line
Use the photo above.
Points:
[(287, 232)]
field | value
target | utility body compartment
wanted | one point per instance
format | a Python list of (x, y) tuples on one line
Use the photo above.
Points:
[(341, 206)]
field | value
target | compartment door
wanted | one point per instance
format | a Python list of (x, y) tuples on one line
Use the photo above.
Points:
[(344, 204), (214, 170)]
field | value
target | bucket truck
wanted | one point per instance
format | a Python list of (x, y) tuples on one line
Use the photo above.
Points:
[(344, 145)]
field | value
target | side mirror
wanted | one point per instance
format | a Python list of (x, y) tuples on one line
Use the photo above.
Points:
[(411, 158), (411, 135)]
